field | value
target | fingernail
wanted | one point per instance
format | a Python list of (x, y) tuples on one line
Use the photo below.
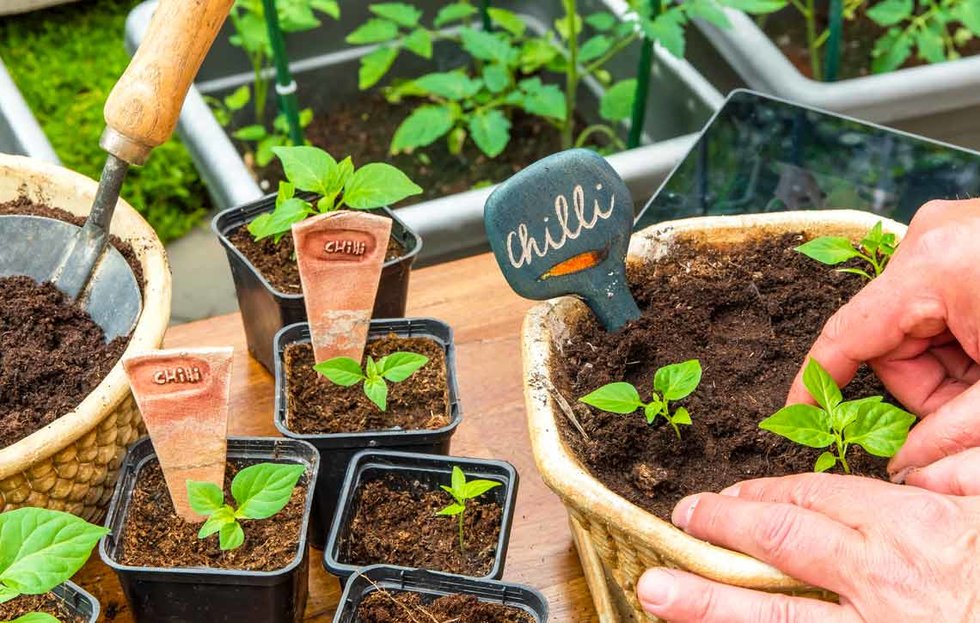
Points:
[(731, 491), (655, 588), (899, 477), (684, 510)]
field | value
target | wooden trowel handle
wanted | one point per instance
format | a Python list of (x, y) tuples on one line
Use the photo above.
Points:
[(143, 107)]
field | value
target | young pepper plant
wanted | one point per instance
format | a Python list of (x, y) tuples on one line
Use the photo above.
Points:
[(260, 492), (878, 427), (670, 383), (40, 549), (338, 185), (462, 491), (393, 368), (875, 249)]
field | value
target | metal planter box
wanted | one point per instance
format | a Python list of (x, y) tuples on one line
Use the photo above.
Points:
[(941, 101), (326, 70), (20, 133)]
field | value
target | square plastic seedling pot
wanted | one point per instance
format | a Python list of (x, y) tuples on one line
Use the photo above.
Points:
[(265, 310), (434, 585), (337, 449), (432, 470), (191, 595), (78, 601)]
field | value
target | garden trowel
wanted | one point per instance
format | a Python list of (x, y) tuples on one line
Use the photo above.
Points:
[(140, 114)]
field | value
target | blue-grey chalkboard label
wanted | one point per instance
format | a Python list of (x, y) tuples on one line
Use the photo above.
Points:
[(562, 226)]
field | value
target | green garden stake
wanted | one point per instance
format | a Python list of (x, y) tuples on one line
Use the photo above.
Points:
[(832, 57), (485, 15), (643, 70), (562, 226), (285, 85)]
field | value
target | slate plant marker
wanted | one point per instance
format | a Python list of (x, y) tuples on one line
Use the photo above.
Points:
[(183, 396), (562, 226), (340, 256)]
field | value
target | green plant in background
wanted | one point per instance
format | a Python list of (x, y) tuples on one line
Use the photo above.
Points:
[(376, 375), (462, 491), (338, 184), (876, 249), (670, 383), (878, 427), (40, 549), (260, 491), (65, 60)]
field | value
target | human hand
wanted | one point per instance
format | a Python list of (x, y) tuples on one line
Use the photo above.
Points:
[(918, 327), (892, 553)]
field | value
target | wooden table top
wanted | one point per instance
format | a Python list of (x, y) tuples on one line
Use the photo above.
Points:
[(472, 296)]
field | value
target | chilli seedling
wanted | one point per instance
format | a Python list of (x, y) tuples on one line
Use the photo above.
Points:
[(876, 249), (376, 375), (40, 549), (338, 184), (463, 490), (876, 426), (260, 491), (670, 383)]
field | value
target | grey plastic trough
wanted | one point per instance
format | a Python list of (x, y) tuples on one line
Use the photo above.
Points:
[(20, 132)]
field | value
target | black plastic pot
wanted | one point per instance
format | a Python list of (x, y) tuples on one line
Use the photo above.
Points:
[(192, 595), (337, 449), (429, 469), (78, 601), (434, 585), (265, 310)]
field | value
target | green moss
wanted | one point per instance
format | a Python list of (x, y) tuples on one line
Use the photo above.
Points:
[(65, 61)]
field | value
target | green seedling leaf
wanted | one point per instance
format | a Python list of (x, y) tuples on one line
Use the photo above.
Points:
[(280, 221), (880, 428), (618, 397), (424, 126), (204, 497), (594, 48), (678, 380), (397, 367), (419, 42), (968, 13), (617, 101), (450, 85), (263, 490), (41, 548), (456, 12), (374, 30), (821, 385), (377, 392), (931, 44), (891, 51), (251, 133), (490, 130), (487, 46), (376, 185), (561, 26), (537, 53), (307, 168), (329, 7), (496, 77), (452, 510), (400, 13), (231, 536), (601, 21), (803, 424), (238, 99), (667, 30), (508, 20), (829, 250), (758, 7), (342, 371), (458, 481), (891, 12), (681, 416), (708, 10), (475, 488), (824, 462), (36, 617), (375, 65), (221, 517), (545, 100)]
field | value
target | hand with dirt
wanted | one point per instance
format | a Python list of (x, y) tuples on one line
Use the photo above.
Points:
[(893, 553), (918, 327)]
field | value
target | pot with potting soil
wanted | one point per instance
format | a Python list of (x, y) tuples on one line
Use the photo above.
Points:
[(172, 570), (420, 414), (381, 594), (735, 303), (262, 256), (415, 511)]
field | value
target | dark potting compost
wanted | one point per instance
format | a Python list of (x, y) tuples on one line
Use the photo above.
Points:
[(153, 535), (317, 406), (47, 603), (387, 607), (749, 313), (395, 522), (277, 262)]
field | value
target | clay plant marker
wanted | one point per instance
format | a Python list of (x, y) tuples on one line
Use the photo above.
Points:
[(562, 226), (183, 396), (340, 257)]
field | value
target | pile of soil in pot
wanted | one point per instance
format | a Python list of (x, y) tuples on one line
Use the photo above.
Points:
[(52, 354), (314, 405), (387, 607), (749, 313), (153, 535), (48, 604), (277, 261), (395, 522)]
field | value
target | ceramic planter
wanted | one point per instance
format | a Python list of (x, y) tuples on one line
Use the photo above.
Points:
[(71, 464), (433, 586), (941, 101), (201, 595), (429, 469), (337, 449), (265, 309), (615, 538), (326, 71)]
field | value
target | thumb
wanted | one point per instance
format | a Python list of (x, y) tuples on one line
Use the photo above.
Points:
[(958, 474)]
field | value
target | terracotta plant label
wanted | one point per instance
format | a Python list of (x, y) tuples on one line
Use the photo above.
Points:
[(562, 226), (183, 396), (340, 257)]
